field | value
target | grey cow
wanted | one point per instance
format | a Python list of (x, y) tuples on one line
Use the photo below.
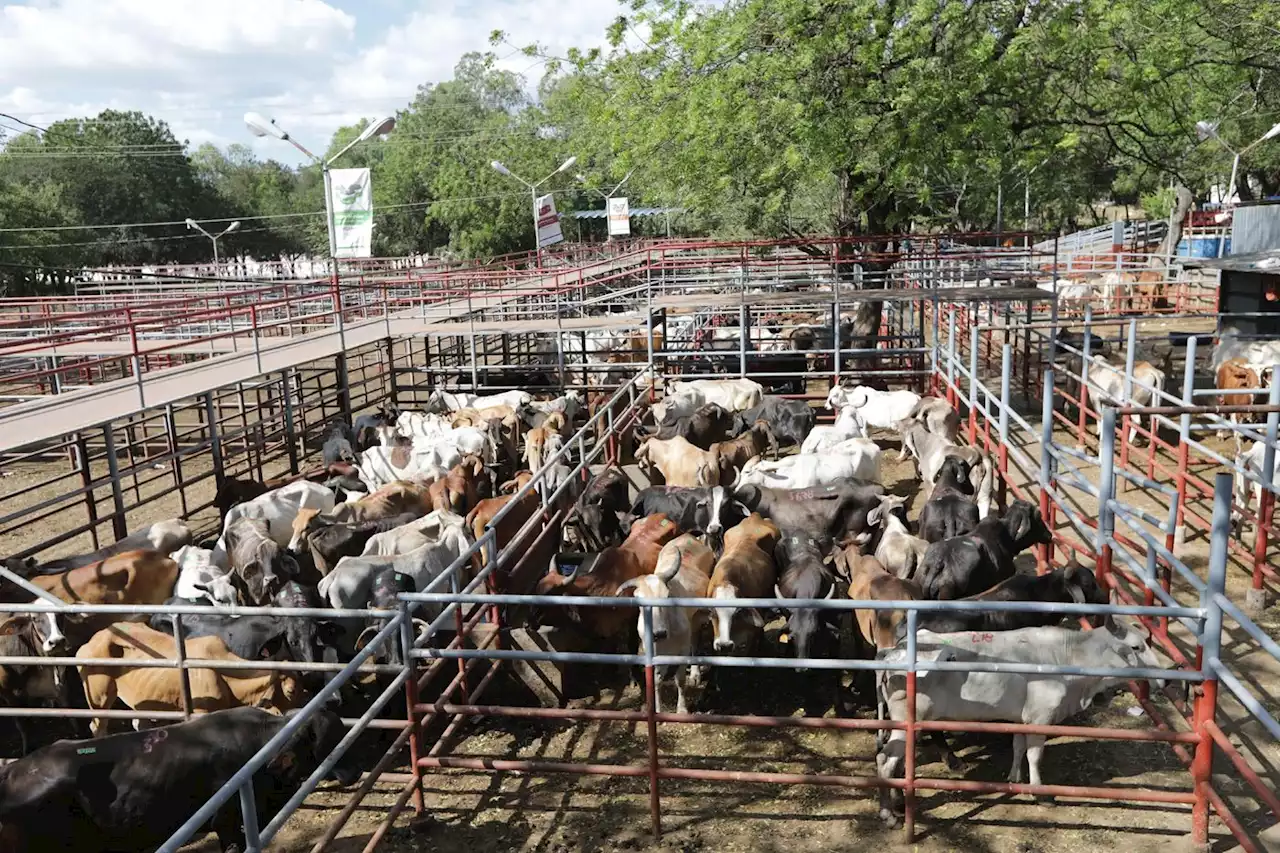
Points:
[(898, 551), (929, 450), (260, 567), (1036, 699)]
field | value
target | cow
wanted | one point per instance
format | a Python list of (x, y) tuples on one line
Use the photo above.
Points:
[(856, 459), (635, 557), (1035, 699), (133, 577), (455, 401), (366, 426), (682, 398), (200, 580), (704, 427), (746, 570), (683, 571), (479, 519), (384, 594), (710, 511), (1106, 382), (681, 463), (930, 450), (160, 688), (349, 585), (938, 417), (801, 574), (898, 551), (594, 523), (329, 543), (339, 444), (1073, 584), (1248, 477), (967, 565), (949, 511), (828, 511), (791, 421), (871, 408), (163, 536), (459, 490), (33, 635), (869, 581), (750, 444), (543, 441), (278, 509), (822, 437), (1236, 374), (132, 791), (260, 565)]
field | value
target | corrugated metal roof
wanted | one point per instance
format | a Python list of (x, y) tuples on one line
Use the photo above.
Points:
[(635, 211), (1260, 262)]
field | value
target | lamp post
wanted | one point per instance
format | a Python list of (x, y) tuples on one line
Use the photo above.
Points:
[(1209, 130), (192, 224), (533, 195), (1026, 202), (260, 125)]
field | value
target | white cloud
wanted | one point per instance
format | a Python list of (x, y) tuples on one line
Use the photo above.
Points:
[(103, 36), (427, 46)]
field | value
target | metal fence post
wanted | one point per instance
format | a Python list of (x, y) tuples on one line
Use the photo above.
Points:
[(1130, 356), (118, 523), (1046, 466), (249, 813), (651, 706), (1256, 596), (1184, 447), (1002, 455), (1082, 397), (215, 444), (973, 382), (909, 748), (1210, 645), (290, 436), (1106, 490), (411, 700)]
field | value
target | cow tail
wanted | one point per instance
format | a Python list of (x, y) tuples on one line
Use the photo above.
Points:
[(916, 410)]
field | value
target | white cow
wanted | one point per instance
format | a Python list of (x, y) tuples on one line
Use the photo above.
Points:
[(857, 458), (199, 579), (1106, 381), (1252, 460), (1037, 699), (873, 408), (822, 437), (278, 508), (455, 401), (1258, 353), (411, 536), (684, 398), (351, 581), (898, 551)]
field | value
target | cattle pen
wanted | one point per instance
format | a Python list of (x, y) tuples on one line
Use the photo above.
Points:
[(966, 320)]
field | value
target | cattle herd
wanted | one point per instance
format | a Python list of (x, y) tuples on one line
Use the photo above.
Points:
[(748, 498)]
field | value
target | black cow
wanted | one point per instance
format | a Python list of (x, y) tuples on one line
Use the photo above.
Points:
[(1074, 584), (256, 637), (339, 444), (365, 427), (707, 425), (826, 511), (950, 510), (711, 511), (790, 420), (608, 488), (801, 575), (384, 595), (33, 635), (131, 791), (968, 565), (330, 541), (594, 523)]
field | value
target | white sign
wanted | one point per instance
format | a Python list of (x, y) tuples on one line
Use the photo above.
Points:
[(548, 221), (351, 198), (619, 218)]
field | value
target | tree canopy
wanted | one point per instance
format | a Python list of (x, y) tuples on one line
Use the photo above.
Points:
[(761, 117)]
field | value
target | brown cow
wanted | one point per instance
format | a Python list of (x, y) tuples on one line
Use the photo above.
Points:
[(751, 443), (459, 490), (160, 688), (133, 577), (1238, 374), (394, 499), (481, 417), (681, 463), (546, 438), (868, 581), (746, 570), (614, 566), (482, 515)]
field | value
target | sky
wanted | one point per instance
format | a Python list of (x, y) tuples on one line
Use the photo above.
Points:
[(313, 65)]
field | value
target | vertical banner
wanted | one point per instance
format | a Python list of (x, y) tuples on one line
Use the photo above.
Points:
[(351, 197), (619, 218), (548, 221)]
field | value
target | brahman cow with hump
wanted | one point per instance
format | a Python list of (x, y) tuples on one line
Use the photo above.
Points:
[(133, 577), (1236, 374), (683, 571), (1106, 383), (791, 421), (898, 551), (855, 459), (277, 509), (930, 450), (153, 688), (1071, 585), (949, 510), (868, 407), (754, 442), (710, 511), (746, 570), (801, 574), (828, 511), (329, 543), (132, 791), (681, 463), (967, 565), (1037, 699), (704, 427), (609, 569), (260, 566), (595, 522)]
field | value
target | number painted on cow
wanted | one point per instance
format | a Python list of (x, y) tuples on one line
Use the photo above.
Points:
[(981, 638)]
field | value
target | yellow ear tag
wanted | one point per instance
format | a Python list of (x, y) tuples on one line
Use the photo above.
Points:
[(784, 637)]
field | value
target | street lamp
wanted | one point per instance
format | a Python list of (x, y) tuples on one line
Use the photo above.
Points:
[(1209, 130), (260, 125), (582, 179), (533, 194), (192, 224)]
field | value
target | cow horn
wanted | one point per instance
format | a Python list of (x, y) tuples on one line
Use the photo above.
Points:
[(777, 591), (626, 585), (831, 593), (422, 631), (1076, 593), (670, 573), (362, 639)]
